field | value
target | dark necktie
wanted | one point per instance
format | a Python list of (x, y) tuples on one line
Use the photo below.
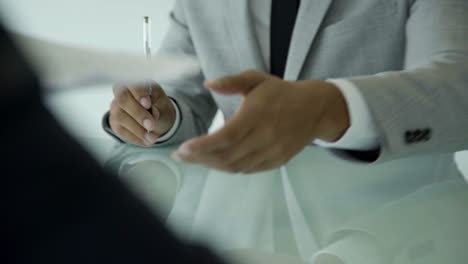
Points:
[(283, 18)]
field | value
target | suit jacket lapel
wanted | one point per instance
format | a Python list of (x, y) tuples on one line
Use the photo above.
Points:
[(309, 20), (239, 21)]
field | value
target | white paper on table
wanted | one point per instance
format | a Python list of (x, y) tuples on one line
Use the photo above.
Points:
[(128, 69)]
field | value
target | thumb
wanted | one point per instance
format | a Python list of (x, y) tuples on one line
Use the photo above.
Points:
[(242, 83)]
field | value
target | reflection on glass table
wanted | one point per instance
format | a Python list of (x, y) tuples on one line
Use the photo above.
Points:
[(305, 213)]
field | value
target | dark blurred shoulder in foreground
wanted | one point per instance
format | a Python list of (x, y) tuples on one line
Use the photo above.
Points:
[(58, 205)]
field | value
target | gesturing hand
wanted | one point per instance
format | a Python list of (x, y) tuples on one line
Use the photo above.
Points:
[(275, 121)]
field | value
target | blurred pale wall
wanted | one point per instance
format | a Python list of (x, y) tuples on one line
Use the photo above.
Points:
[(110, 24)]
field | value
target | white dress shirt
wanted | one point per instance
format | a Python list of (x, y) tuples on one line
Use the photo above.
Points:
[(361, 135)]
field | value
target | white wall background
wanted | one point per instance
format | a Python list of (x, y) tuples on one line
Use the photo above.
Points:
[(111, 24)]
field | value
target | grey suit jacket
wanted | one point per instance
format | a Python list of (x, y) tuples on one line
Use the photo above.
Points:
[(409, 59)]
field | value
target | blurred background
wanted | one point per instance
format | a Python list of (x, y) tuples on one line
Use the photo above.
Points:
[(105, 24)]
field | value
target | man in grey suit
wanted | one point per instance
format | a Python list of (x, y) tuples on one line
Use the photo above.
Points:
[(371, 80), (379, 85)]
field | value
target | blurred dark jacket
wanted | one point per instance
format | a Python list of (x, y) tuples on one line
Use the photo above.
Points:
[(58, 205)]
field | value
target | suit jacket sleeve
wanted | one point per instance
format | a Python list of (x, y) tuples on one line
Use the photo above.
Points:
[(422, 109), (195, 102)]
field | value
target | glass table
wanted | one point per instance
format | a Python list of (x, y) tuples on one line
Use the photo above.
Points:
[(317, 209), (300, 212)]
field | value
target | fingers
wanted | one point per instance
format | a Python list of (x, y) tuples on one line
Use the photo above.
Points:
[(141, 94), (125, 99), (233, 132), (220, 140), (270, 158), (125, 126), (163, 112), (249, 161), (229, 136), (157, 93), (252, 143), (128, 136), (249, 153), (257, 151), (223, 162), (130, 111), (254, 161), (242, 83), (257, 161)]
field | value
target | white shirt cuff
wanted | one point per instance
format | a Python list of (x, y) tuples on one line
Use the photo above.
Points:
[(174, 128), (362, 134)]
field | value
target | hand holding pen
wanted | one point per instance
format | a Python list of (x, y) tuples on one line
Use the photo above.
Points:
[(134, 116)]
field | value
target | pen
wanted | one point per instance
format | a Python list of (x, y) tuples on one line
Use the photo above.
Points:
[(147, 43), (147, 36), (147, 48)]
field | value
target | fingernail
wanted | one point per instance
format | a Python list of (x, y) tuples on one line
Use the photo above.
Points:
[(151, 137), (145, 102), (148, 124)]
